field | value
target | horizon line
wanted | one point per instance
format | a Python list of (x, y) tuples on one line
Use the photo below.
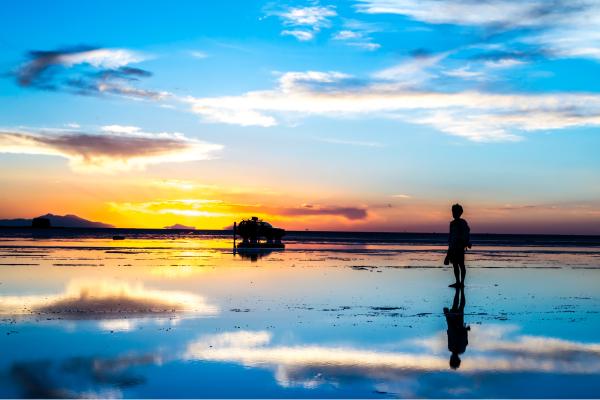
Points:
[(302, 231)]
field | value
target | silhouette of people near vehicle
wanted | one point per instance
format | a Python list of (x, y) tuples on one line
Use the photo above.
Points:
[(458, 332), (459, 240)]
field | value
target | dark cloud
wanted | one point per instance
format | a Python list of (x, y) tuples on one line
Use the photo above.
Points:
[(549, 11), (127, 91), (78, 377), (89, 146), (84, 70), (129, 73), (352, 213), (331, 84), (40, 68), (421, 52), (122, 150), (563, 28), (348, 212), (33, 379), (108, 306), (531, 54)]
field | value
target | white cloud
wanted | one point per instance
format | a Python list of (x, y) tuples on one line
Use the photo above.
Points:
[(466, 73), (302, 35), (317, 17), (102, 58), (365, 45), (424, 69), (229, 116), (475, 115), (198, 54), (358, 34), (347, 35), (310, 20), (356, 39), (291, 81), (564, 28), (503, 63), (474, 126), (575, 37), (490, 12), (121, 129), (412, 71)]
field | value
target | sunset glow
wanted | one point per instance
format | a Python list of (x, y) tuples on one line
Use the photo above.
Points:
[(365, 115)]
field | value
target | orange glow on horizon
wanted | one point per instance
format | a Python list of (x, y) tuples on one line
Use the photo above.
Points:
[(157, 203)]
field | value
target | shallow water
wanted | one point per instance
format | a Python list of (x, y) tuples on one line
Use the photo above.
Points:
[(185, 317)]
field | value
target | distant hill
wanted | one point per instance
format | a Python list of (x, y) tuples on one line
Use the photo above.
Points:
[(57, 221), (179, 226)]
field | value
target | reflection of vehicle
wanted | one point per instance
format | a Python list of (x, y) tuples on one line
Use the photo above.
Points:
[(257, 234), (253, 253)]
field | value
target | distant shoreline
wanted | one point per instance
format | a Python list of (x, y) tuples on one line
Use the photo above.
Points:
[(432, 238)]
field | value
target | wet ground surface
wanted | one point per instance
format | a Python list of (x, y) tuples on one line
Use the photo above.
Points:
[(188, 318)]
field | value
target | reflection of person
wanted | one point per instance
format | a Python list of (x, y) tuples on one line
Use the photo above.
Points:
[(458, 332), (459, 240)]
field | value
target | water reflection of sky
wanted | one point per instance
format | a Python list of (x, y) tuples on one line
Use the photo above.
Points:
[(197, 321)]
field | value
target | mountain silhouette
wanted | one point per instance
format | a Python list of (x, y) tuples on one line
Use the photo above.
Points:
[(57, 221), (180, 226)]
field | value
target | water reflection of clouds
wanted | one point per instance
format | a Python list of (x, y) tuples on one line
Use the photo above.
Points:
[(79, 377), (535, 353), (130, 324), (87, 298), (494, 349)]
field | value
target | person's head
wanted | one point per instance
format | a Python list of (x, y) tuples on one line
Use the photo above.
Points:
[(454, 361), (457, 211)]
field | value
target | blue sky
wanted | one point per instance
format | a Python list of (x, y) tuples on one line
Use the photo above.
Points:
[(330, 104)]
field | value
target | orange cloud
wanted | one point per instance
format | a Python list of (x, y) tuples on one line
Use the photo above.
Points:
[(114, 149), (216, 208)]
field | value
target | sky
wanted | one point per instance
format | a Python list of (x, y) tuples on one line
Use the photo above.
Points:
[(361, 115)]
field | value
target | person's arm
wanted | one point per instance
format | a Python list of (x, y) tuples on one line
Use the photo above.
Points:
[(468, 234), (447, 258)]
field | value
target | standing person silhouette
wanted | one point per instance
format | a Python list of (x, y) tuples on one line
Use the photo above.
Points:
[(458, 332), (459, 240)]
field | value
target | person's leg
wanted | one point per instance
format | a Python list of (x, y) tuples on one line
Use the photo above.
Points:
[(455, 304), (456, 272), (463, 271)]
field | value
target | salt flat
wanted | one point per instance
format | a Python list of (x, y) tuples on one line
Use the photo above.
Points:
[(185, 317)]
